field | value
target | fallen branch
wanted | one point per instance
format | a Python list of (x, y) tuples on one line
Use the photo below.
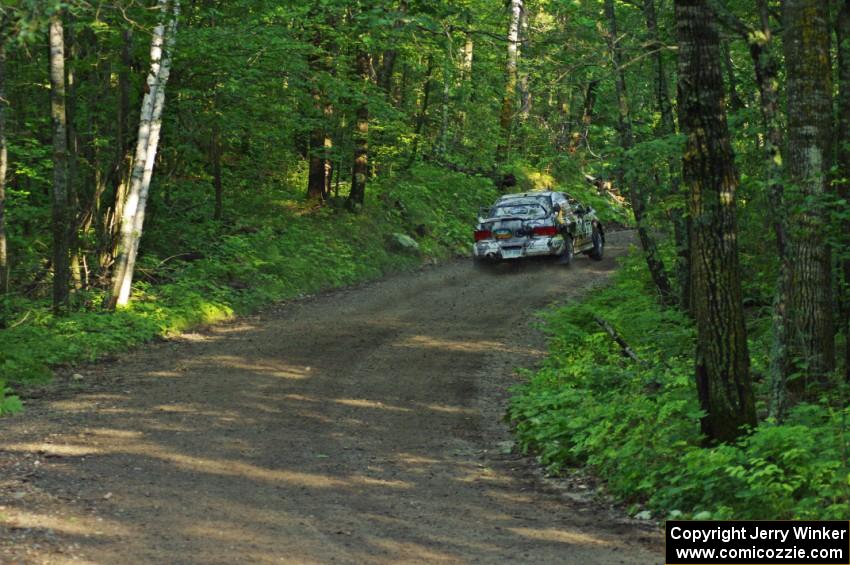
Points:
[(628, 351), (21, 321)]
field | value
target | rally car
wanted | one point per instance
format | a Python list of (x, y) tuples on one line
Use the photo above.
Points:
[(533, 224)]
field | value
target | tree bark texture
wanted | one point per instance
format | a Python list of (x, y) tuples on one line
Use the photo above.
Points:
[(586, 117), (810, 339), (735, 102), (110, 236), (150, 123), (317, 157), (423, 111), (766, 65), (360, 170), (506, 115), (637, 196), (4, 161), (218, 185), (61, 211), (522, 73), (843, 154), (722, 359), (668, 127)]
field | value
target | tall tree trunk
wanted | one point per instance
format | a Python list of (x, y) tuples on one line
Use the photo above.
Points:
[(722, 359), (4, 160), (441, 146), (810, 339), (423, 112), (218, 186), (524, 92), (61, 211), (465, 83), (586, 117), (766, 65), (735, 102), (385, 74), (360, 169), (843, 138), (668, 127), (73, 168), (627, 175), (150, 123), (506, 116), (111, 224), (317, 157), (317, 165), (467, 57)]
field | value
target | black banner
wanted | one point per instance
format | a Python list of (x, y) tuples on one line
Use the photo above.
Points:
[(758, 542)]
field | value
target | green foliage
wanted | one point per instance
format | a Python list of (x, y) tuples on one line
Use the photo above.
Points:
[(284, 251), (637, 426), (9, 404)]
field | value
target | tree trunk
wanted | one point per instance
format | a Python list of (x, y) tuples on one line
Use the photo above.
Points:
[(668, 127), (61, 212), (586, 117), (467, 57), (524, 92), (73, 168), (810, 339), (735, 102), (385, 74), (316, 152), (317, 165), (722, 359), (4, 160), (423, 112), (627, 170), (506, 116), (442, 138), (216, 167), (766, 65), (843, 138), (360, 170), (150, 123)]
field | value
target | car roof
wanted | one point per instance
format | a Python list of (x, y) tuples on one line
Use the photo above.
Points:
[(527, 194)]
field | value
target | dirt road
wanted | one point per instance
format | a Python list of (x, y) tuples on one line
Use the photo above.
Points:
[(361, 426)]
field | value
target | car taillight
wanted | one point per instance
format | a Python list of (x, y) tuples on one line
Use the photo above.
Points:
[(483, 234), (545, 231)]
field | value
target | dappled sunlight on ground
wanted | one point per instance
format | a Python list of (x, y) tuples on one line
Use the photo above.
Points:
[(360, 427), (68, 525), (559, 536), (441, 344)]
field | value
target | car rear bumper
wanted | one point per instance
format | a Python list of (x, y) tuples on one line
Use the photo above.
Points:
[(517, 249)]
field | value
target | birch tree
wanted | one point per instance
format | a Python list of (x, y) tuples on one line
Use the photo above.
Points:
[(506, 116), (150, 123), (4, 256)]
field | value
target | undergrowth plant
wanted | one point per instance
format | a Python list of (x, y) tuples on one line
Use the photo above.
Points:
[(277, 252), (636, 424)]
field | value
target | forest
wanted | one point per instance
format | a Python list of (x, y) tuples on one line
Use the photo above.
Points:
[(165, 164)]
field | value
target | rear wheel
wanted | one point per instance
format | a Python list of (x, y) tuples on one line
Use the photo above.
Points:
[(566, 256), (598, 238), (483, 264)]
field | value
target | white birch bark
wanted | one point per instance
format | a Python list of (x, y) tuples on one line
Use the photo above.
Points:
[(150, 123), (506, 116)]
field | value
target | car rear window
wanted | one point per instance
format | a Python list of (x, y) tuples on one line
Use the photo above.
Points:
[(518, 208)]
